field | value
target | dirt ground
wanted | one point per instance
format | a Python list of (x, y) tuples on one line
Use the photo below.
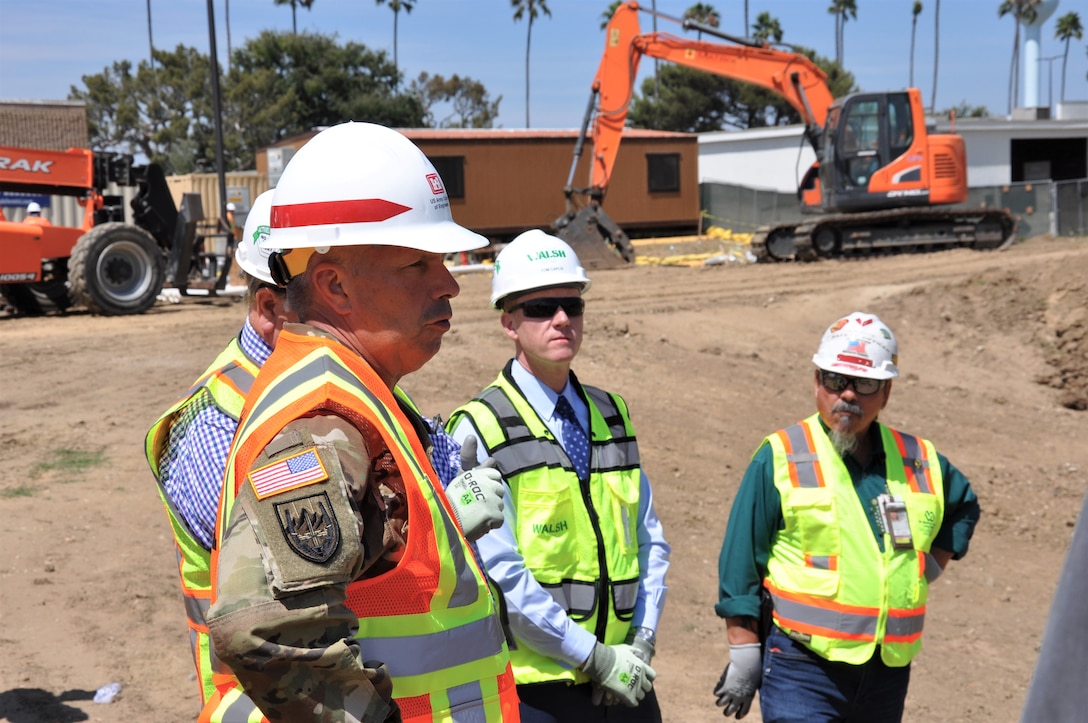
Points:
[(992, 350)]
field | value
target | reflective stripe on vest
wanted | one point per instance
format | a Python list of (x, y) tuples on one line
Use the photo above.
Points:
[(831, 586), (578, 540), (431, 619), (226, 382)]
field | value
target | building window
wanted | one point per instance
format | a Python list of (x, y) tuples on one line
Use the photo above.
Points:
[(452, 171), (663, 172)]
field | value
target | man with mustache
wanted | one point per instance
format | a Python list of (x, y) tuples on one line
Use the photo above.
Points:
[(581, 558), (345, 588), (838, 528)]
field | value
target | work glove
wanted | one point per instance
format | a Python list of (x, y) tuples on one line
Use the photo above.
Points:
[(740, 680), (643, 650), (619, 672), (476, 494)]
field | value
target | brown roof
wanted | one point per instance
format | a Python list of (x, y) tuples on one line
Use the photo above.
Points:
[(54, 125), (491, 134)]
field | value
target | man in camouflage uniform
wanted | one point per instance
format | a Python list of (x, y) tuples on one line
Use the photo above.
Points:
[(345, 588)]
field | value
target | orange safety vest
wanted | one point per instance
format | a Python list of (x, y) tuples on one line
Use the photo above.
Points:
[(431, 619)]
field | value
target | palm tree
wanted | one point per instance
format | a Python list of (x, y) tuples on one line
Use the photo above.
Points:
[(767, 28), (150, 42), (294, 5), (1021, 11), (936, 53), (1067, 28), (396, 6), (843, 10), (746, 16), (227, 18), (703, 14), (915, 12), (606, 16), (532, 10)]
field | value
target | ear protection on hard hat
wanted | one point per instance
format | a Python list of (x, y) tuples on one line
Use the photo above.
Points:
[(286, 265)]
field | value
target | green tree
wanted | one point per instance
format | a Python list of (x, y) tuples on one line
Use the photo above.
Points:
[(767, 29), (279, 85), (530, 9), (695, 101), (396, 6), (162, 113), (915, 11), (606, 16), (966, 110), (1067, 28), (295, 4), (1021, 11), (703, 14), (469, 101), (283, 84), (843, 10)]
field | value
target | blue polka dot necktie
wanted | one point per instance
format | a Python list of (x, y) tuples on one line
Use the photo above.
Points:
[(574, 438)]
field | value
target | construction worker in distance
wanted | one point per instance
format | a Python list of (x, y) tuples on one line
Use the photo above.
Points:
[(581, 558), (839, 617), (187, 446), (232, 222), (344, 585), (34, 214)]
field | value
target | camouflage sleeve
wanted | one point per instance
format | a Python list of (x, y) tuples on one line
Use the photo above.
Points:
[(318, 511)]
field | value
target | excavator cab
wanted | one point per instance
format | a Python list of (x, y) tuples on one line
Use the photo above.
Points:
[(877, 154)]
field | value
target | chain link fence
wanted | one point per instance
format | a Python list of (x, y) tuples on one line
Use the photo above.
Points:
[(1059, 208)]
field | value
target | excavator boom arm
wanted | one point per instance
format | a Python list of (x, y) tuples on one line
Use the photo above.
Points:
[(792, 76)]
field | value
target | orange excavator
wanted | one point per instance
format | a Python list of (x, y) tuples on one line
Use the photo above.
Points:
[(881, 182)]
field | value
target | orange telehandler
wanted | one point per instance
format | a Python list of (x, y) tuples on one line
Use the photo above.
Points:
[(105, 264), (877, 185)]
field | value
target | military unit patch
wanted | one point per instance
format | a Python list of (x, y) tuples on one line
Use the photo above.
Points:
[(310, 527), (296, 471)]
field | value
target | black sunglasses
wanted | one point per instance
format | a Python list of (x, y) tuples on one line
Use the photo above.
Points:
[(545, 308), (862, 385)]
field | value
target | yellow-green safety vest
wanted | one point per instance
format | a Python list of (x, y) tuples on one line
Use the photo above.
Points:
[(578, 539), (227, 382), (832, 586)]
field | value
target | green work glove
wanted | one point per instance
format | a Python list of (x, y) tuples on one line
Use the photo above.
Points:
[(740, 680), (476, 494), (620, 672)]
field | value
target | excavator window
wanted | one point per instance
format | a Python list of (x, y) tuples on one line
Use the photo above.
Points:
[(901, 123), (861, 141)]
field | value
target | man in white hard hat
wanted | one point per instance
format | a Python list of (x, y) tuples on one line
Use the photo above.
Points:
[(34, 214), (581, 559), (187, 446), (345, 587), (838, 528)]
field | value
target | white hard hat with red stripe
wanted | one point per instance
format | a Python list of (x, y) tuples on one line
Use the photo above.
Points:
[(859, 345), (251, 256), (364, 184)]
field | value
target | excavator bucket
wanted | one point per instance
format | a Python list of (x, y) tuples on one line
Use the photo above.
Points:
[(599, 242)]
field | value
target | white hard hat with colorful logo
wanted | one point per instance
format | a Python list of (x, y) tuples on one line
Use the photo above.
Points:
[(251, 256), (859, 345), (535, 260), (360, 184)]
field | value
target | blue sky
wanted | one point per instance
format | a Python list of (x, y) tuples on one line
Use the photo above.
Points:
[(479, 39)]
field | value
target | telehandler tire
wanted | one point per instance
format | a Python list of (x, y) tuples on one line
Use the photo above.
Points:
[(116, 269), (41, 297)]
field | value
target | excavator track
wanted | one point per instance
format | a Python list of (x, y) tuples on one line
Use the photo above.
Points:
[(903, 230)]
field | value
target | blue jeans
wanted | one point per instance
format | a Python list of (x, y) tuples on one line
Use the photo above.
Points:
[(801, 687)]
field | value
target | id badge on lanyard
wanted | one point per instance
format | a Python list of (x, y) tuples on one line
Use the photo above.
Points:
[(893, 515)]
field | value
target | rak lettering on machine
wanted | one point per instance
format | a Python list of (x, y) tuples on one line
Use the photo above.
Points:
[(31, 165)]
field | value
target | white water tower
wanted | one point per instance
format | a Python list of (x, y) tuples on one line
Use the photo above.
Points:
[(1031, 68)]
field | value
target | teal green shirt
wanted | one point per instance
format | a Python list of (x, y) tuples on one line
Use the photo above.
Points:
[(756, 518)]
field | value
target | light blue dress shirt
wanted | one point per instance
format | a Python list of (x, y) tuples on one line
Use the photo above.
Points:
[(535, 617)]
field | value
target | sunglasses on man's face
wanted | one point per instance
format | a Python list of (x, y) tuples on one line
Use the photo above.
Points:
[(545, 308), (863, 386)]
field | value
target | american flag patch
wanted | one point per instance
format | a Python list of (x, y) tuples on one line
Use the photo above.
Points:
[(296, 471)]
